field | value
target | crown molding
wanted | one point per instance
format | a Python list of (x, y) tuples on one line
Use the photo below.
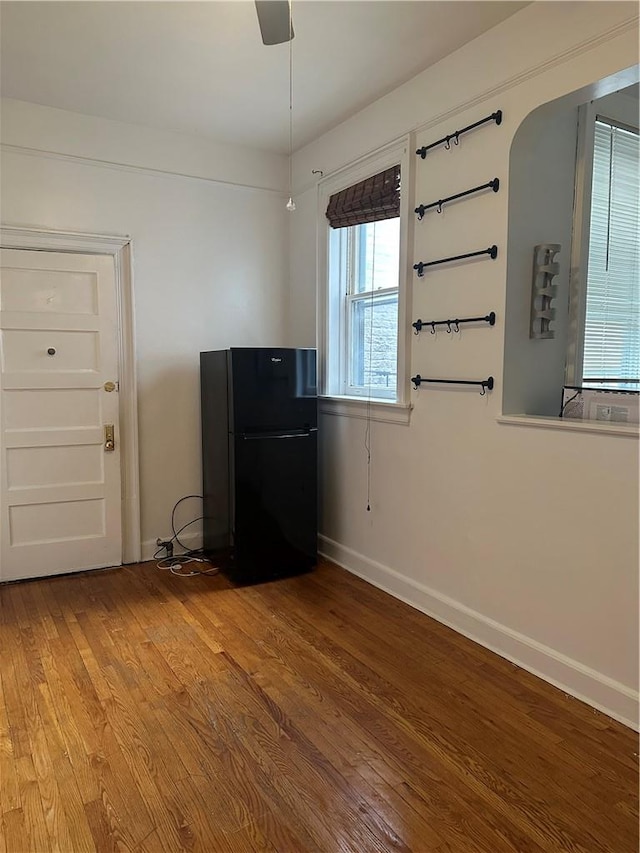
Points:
[(44, 240), (127, 167)]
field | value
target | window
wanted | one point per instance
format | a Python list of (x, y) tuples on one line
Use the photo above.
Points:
[(611, 349), (366, 262), (364, 301)]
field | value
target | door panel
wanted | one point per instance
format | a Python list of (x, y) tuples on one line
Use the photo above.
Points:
[(53, 466), (51, 408), (51, 351), (64, 291), (60, 505), (39, 524)]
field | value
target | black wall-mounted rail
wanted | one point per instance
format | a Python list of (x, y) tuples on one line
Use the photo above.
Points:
[(492, 251), (485, 384), (497, 117), (422, 208), (420, 324)]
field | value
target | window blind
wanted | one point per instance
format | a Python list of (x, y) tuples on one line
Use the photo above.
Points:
[(612, 322), (371, 200)]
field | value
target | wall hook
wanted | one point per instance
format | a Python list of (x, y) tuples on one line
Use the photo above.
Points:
[(447, 143), (457, 326), (448, 327), (456, 140), (439, 207), (433, 328), (486, 383), (317, 172)]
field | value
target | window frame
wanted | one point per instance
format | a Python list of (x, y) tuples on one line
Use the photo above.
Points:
[(333, 359), (587, 117)]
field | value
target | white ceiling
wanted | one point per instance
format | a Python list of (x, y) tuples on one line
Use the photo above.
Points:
[(201, 67)]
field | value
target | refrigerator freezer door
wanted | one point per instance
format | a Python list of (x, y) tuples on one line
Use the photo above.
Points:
[(272, 389), (275, 506)]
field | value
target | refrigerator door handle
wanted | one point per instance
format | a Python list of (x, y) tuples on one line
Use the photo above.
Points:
[(261, 436)]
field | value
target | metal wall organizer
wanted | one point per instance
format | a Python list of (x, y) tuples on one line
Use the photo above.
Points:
[(453, 325), (420, 324), (485, 384), (422, 208), (455, 136), (543, 291), (492, 251)]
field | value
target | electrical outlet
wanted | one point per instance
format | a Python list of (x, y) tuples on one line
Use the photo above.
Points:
[(167, 544)]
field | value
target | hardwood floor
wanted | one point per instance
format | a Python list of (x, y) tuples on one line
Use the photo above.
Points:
[(142, 711)]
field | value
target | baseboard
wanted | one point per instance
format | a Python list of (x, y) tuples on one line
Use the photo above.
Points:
[(598, 690), (191, 540)]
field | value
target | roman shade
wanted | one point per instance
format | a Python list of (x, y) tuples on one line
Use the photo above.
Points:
[(375, 198)]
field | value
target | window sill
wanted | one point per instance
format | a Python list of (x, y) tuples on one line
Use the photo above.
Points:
[(571, 425), (359, 407)]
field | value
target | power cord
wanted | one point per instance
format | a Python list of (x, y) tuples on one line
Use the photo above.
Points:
[(173, 519), (570, 400), (175, 564)]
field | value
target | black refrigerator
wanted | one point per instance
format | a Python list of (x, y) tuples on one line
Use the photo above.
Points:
[(259, 458)]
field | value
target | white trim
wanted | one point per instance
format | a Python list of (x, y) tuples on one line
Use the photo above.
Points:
[(376, 410), (38, 239), (119, 247), (127, 167), (570, 425), (580, 243), (598, 690), (623, 78), (541, 68)]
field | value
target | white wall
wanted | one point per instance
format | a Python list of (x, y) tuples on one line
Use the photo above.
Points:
[(542, 179), (209, 253), (524, 538), (541, 191)]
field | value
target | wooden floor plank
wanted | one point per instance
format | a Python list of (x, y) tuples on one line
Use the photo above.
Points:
[(413, 736), (13, 831), (9, 793), (143, 711), (497, 747)]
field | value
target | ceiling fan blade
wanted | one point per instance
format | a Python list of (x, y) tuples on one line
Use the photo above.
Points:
[(273, 17)]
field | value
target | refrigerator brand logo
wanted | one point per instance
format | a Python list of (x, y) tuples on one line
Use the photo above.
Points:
[(276, 360)]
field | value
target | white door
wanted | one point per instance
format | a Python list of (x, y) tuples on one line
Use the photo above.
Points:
[(60, 503)]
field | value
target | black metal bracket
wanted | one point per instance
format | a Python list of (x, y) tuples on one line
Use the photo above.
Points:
[(422, 208), (485, 384), (420, 324), (497, 117), (492, 251)]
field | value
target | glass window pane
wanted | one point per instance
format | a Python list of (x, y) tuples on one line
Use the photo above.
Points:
[(612, 324), (374, 342), (377, 255)]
